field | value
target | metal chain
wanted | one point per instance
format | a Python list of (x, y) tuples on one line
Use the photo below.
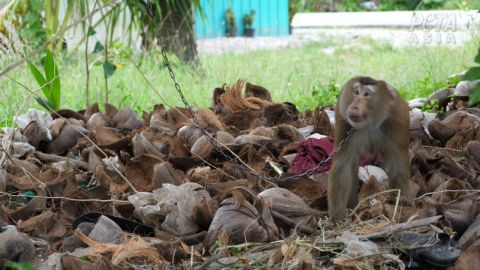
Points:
[(215, 143)]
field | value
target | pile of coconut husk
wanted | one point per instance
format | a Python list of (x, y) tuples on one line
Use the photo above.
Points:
[(206, 188)]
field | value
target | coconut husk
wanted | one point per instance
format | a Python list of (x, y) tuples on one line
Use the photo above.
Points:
[(178, 149), (158, 119), (133, 248), (142, 146), (34, 207), (241, 120), (209, 121), (99, 120), (283, 113), (189, 134), (66, 113), (66, 139), (178, 116), (470, 258), (165, 173), (71, 262), (252, 90), (217, 92), (447, 128), (312, 191), (287, 133), (126, 119), (202, 148), (110, 110), (45, 225), (36, 135), (17, 166), (242, 221), (235, 101), (91, 110), (139, 171), (290, 205), (111, 138)]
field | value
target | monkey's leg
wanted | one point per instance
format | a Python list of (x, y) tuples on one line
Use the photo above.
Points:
[(398, 169), (341, 183)]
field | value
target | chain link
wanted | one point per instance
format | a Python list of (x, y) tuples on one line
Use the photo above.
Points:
[(215, 143)]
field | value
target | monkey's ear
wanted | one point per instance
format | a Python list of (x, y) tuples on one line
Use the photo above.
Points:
[(392, 91)]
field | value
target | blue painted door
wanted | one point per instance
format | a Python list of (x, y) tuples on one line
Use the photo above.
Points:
[(271, 17)]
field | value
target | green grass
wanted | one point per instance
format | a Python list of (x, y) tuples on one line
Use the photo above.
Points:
[(291, 74)]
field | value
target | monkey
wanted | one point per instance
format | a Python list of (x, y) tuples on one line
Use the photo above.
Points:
[(380, 118)]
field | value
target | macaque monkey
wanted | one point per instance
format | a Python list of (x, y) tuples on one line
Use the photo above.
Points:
[(380, 119)]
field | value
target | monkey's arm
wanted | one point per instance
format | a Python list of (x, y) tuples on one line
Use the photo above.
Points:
[(341, 126), (342, 179), (342, 185)]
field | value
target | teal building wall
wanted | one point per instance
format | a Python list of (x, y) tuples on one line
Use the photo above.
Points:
[(271, 17)]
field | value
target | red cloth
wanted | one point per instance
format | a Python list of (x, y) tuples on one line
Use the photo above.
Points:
[(310, 152)]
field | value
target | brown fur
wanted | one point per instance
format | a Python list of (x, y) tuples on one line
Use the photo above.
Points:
[(384, 131)]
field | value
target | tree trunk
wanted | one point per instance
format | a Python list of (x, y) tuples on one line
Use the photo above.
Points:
[(176, 29)]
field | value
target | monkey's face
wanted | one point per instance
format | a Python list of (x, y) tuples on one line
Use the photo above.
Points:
[(365, 103), (357, 112)]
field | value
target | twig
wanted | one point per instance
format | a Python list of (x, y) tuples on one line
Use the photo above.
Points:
[(397, 203), (372, 196), (388, 230), (61, 198), (448, 190), (403, 226)]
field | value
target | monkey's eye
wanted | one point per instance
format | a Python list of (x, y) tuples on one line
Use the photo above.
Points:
[(356, 92), (367, 94)]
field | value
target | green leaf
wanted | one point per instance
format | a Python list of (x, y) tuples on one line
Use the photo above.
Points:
[(91, 31), (108, 69), (18, 266), (474, 96), (53, 79), (37, 74), (36, 5), (473, 74), (98, 47), (477, 58), (44, 103)]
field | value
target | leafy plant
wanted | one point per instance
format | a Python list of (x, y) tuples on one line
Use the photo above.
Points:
[(432, 106), (474, 74), (230, 16), (49, 83), (428, 85), (41, 21), (321, 95), (32, 30), (18, 266), (248, 19)]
